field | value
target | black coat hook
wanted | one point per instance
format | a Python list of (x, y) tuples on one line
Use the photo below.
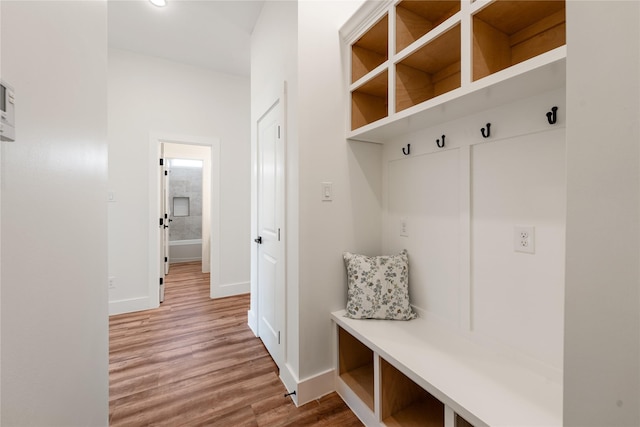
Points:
[(440, 145), (551, 116), (408, 150), (486, 135)]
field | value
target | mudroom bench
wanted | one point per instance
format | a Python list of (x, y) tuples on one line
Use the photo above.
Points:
[(417, 373)]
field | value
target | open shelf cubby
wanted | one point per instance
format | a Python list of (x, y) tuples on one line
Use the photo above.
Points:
[(355, 366), (461, 422), (370, 50), (432, 70), (506, 33), (415, 18), (370, 102), (404, 403)]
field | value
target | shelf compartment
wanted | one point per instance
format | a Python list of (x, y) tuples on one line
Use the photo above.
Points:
[(461, 422), (404, 403), (370, 102), (430, 71), (370, 50), (506, 33), (415, 18), (355, 366)]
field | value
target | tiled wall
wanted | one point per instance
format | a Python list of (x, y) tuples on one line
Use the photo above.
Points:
[(186, 182)]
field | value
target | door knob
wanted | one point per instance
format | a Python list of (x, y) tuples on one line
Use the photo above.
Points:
[(258, 240)]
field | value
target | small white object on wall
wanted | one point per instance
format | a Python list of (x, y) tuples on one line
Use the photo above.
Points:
[(327, 192), (524, 239), (404, 227)]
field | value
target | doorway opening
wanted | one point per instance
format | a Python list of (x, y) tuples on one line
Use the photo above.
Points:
[(169, 152), (187, 218)]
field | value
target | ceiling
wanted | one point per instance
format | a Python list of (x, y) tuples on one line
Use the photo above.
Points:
[(209, 33)]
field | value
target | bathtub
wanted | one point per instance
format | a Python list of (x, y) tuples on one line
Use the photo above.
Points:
[(185, 250)]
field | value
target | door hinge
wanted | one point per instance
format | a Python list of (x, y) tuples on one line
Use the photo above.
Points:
[(278, 337), (161, 280), (161, 222), (161, 162), (166, 259), (278, 131), (278, 234), (166, 173)]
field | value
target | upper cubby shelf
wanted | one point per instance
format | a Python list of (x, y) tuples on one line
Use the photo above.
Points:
[(408, 57), (506, 33), (415, 18), (371, 50), (430, 71)]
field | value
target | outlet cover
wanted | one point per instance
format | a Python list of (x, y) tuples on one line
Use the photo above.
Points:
[(524, 239), (404, 227)]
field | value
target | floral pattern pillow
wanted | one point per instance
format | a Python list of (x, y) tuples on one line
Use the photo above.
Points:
[(378, 287)]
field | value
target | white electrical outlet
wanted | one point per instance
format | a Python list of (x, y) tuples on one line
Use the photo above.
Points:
[(524, 239), (404, 227), (112, 282)]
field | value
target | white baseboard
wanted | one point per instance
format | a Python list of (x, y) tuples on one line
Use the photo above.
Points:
[(252, 321), (309, 389), (128, 305), (290, 381), (316, 386), (230, 289)]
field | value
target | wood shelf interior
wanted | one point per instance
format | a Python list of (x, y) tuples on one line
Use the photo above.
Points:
[(415, 18), (355, 366), (404, 403), (506, 33), (461, 422), (371, 50), (370, 102), (432, 70)]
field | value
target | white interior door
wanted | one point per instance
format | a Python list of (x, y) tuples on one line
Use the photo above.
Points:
[(167, 215), (270, 241), (164, 220)]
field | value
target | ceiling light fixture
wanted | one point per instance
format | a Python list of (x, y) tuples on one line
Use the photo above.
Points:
[(159, 3)]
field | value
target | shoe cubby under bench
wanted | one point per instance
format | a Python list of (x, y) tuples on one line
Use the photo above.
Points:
[(419, 373)]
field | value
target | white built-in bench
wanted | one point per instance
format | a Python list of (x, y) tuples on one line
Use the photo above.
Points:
[(416, 373)]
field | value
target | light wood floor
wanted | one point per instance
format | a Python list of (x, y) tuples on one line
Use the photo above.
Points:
[(194, 361)]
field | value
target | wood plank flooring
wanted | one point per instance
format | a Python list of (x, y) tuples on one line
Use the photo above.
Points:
[(195, 362)]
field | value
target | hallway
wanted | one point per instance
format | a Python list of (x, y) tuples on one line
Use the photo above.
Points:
[(194, 361)]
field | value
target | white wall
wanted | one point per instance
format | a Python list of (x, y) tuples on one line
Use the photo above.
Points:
[(352, 221), (146, 95), (461, 205), (298, 42), (274, 62), (602, 330), (54, 219)]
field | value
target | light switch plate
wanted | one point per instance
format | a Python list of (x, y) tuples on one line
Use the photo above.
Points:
[(327, 191)]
